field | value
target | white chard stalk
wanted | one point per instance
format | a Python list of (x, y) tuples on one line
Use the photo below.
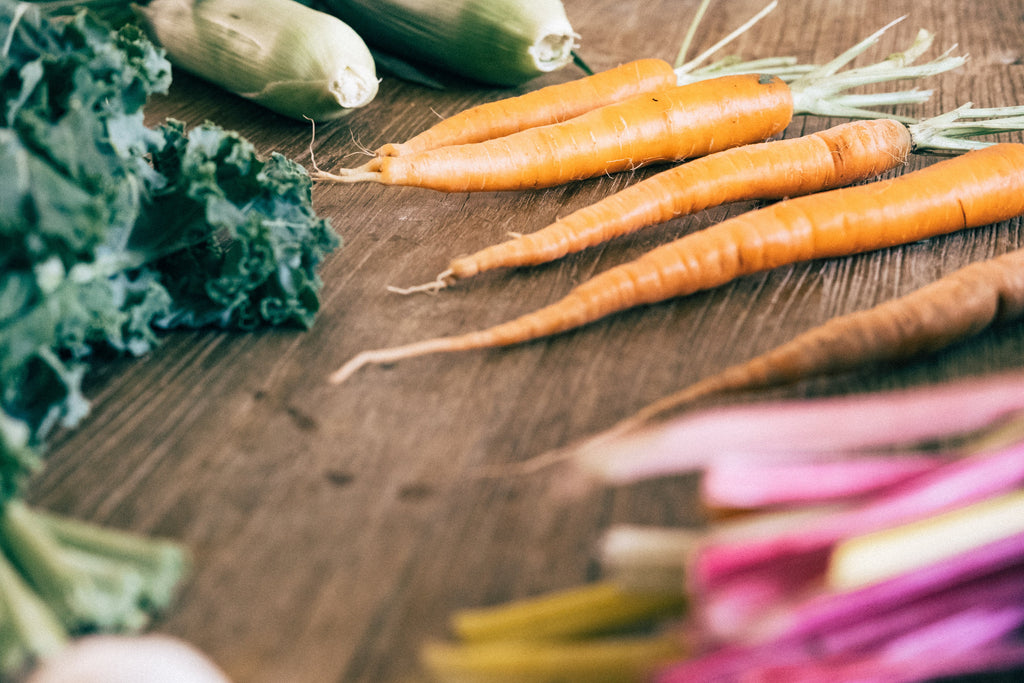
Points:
[(290, 58), (498, 42)]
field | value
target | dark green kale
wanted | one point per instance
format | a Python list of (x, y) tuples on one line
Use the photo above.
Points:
[(247, 243), (110, 230), (73, 150), (110, 233)]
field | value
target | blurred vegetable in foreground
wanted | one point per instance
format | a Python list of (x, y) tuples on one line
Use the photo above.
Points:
[(129, 659), (497, 42), (912, 571)]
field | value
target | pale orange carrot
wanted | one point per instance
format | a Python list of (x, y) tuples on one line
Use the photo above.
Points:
[(678, 123), (936, 316), (978, 188)]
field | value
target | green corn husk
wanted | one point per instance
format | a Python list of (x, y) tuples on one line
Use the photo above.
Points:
[(497, 42), (288, 57)]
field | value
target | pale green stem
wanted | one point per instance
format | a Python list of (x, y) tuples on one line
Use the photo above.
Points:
[(838, 62), (690, 65), (785, 68), (819, 91), (946, 133), (691, 31)]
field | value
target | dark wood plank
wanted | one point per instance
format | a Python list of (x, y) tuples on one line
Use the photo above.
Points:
[(335, 528)]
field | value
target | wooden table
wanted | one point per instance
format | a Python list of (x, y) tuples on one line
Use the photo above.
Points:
[(334, 529)]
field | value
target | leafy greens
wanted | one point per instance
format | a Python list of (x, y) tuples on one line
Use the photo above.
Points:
[(111, 231)]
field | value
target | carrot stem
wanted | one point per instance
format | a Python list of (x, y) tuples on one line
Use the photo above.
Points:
[(817, 92), (691, 31), (684, 68)]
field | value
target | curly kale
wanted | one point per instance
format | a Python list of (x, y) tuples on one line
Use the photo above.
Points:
[(110, 232)]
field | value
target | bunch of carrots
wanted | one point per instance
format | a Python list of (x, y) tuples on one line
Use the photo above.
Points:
[(874, 538), (648, 112)]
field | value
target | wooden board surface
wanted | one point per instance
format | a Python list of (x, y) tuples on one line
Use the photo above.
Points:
[(334, 529)]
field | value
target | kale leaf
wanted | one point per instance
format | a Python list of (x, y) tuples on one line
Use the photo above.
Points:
[(110, 233), (110, 230)]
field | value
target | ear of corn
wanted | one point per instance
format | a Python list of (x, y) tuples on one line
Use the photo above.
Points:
[(292, 59), (498, 42)]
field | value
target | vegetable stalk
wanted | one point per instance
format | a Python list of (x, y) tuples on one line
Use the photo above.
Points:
[(292, 59), (497, 42), (914, 571)]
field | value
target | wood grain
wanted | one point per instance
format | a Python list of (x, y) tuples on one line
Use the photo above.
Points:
[(334, 529)]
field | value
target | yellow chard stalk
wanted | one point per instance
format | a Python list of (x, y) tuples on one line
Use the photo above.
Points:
[(287, 57)]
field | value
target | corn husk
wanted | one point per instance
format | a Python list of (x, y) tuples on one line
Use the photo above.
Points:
[(497, 42), (290, 58)]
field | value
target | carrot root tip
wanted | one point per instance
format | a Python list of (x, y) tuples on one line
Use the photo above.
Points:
[(442, 281), (345, 176), (350, 368), (392, 354)]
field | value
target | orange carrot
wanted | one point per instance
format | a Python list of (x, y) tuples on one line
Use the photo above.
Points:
[(839, 156), (842, 155), (681, 122), (978, 188), (563, 101), (551, 104), (677, 123), (931, 318)]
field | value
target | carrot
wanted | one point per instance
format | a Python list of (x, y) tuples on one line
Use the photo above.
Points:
[(839, 156), (682, 122), (978, 188), (550, 104), (949, 310), (563, 101)]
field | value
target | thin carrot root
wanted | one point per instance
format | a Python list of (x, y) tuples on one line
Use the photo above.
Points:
[(351, 175), (371, 165), (391, 355), (442, 281)]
